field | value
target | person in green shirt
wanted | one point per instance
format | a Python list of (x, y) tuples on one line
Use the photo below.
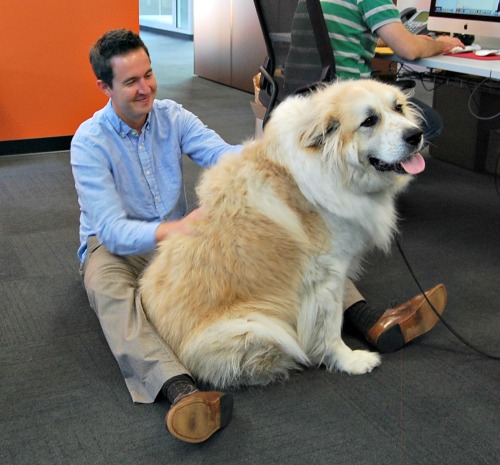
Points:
[(357, 27)]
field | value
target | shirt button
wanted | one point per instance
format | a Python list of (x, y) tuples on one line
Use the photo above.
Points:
[(148, 172)]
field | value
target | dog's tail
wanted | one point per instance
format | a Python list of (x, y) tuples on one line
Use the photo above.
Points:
[(252, 350)]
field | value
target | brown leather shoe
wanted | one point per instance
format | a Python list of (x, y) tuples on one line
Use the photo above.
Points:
[(195, 417), (399, 325)]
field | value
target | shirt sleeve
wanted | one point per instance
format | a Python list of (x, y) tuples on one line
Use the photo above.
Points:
[(101, 205), (377, 13), (203, 145)]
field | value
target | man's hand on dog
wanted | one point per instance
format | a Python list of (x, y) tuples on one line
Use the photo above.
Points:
[(182, 226)]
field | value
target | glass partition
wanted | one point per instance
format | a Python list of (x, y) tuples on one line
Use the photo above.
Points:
[(167, 15)]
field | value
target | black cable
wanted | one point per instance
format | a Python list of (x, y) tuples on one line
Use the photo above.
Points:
[(471, 99), (458, 336)]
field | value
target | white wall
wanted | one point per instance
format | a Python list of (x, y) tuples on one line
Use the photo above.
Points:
[(418, 4)]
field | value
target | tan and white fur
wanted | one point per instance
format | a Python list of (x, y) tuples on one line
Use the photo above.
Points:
[(256, 289)]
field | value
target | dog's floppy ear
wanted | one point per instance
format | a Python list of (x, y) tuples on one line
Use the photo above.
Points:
[(316, 135)]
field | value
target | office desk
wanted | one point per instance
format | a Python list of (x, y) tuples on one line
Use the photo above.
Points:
[(466, 141), (482, 68)]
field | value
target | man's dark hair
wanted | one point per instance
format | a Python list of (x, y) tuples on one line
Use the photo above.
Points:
[(111, 44)]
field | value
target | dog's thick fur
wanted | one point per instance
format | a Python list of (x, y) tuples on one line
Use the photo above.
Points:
[(256, 289)]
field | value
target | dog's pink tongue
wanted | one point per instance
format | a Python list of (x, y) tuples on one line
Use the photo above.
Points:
[(416, 164)]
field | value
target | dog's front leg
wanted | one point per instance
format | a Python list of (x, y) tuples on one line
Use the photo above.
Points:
[(338, 355), (319, 325)]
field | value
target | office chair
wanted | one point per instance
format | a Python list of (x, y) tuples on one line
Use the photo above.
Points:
[(300, 54)]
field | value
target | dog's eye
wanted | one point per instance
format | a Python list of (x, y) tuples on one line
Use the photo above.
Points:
[(398, 108), (370, 121)]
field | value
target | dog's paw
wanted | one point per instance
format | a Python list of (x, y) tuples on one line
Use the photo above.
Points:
[(357, 362)]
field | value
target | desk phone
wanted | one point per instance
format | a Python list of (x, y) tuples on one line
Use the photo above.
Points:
[(415, 21)]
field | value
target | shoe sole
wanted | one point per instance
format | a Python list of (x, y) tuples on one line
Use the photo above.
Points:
[(421, 322), (197, 419)]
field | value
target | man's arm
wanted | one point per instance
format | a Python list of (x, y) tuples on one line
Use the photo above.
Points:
[(102, 210), (410, 47)]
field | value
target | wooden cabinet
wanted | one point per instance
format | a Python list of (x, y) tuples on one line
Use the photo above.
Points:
[(228, 42)]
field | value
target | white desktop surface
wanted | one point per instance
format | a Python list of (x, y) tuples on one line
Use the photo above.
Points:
[(483, 68)]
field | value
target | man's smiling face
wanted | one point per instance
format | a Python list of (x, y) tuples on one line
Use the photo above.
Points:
[(134, 87)]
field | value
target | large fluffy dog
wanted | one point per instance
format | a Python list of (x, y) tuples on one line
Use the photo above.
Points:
[(256, 288)]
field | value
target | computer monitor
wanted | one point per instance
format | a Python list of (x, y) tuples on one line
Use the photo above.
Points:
[(474, 17)]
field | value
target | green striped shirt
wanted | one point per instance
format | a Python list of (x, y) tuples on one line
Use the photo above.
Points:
[(351, 25)]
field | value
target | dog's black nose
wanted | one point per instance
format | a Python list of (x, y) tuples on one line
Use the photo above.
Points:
[(413, 136)]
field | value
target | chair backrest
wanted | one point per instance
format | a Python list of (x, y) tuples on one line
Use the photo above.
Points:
[(299, 50)]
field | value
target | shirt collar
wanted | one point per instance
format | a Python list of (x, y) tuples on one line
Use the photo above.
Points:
[(118, 124)]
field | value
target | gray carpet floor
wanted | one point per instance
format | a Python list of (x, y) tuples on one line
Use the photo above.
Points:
[(63, 400)]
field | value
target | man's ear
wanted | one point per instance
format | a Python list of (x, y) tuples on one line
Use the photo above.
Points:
[(103, 87)]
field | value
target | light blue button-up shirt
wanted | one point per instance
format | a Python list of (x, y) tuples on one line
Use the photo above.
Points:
[(128, 183)]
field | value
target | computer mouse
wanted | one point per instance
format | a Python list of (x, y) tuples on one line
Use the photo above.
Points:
[(485, 53), (466, 49)]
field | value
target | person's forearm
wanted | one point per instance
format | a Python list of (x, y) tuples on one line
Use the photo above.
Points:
[(430, 47), (442, 44), (412, 47)]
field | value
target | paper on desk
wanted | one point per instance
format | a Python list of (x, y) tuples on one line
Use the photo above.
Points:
[(384, 51)]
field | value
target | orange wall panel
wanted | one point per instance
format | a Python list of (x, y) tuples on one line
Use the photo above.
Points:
[(48, 84)]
